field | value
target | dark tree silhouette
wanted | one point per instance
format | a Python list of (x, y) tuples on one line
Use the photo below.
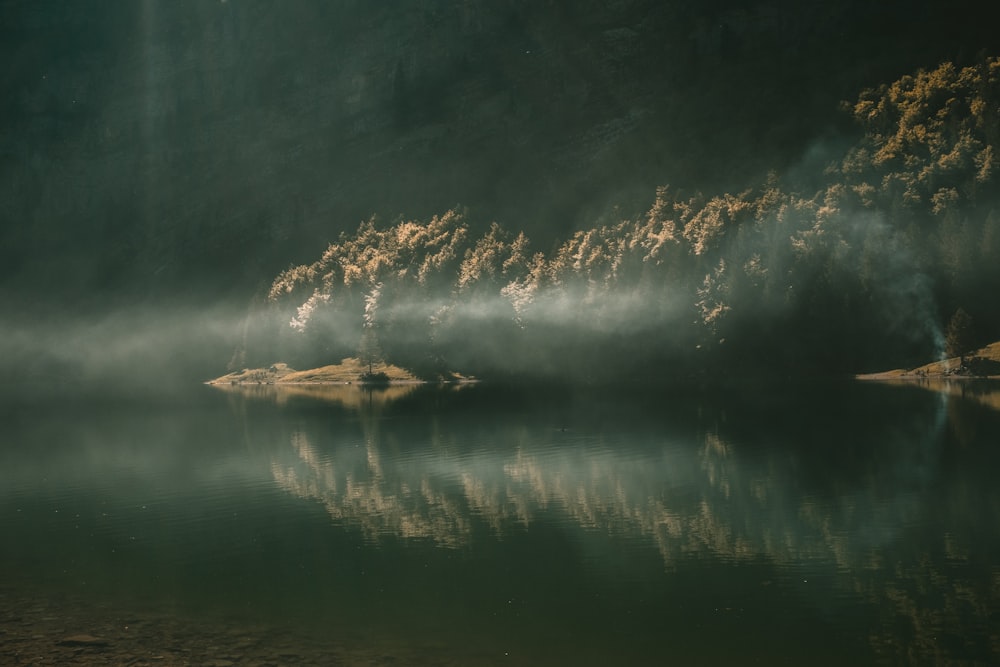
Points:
[(958, 336)]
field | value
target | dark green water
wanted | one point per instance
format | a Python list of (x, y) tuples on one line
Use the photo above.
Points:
[(857, 524)]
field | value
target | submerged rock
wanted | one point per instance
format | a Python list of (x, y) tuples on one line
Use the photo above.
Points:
[(83, 640)]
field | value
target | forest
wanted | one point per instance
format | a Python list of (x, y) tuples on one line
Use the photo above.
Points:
[(856, 265)]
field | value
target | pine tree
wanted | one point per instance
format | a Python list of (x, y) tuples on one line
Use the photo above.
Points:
[(958, 336)]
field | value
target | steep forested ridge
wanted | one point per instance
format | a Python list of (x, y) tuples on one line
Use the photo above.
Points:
[(162, 161), (862, 272), (190, 149)]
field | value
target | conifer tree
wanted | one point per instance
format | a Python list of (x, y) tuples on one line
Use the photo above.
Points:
[(958, 336)]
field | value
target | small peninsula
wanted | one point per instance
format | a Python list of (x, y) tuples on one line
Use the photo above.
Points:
[(349, 371), (983, 363)]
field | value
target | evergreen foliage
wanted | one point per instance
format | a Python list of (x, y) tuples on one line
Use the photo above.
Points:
[(850, 277), (958, 336)]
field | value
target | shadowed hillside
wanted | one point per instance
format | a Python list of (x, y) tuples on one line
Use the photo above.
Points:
[(862, 272), (155, 146)]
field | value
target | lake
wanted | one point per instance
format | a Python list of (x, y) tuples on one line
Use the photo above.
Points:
[(481, 525)]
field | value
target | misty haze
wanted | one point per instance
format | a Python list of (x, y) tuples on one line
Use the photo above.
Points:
[(475, 333)]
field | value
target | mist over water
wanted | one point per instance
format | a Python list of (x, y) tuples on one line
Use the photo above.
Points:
[(647, 190), (661, 235), (135, 348)]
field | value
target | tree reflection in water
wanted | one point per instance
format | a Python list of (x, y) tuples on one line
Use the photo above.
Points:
[(888, 499)]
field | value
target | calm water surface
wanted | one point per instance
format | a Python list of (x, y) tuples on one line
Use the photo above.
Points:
[(857, 524)]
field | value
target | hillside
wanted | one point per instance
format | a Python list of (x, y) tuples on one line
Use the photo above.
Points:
[(863, 272), (193, 149)]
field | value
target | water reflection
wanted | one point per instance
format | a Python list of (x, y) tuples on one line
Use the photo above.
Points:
[(578, 526), (880, 501), (984, 392), (345, 395), (688, 495)]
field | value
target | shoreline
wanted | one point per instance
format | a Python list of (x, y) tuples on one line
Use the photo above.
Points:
[(981, 364), (42, 627), (910, 376)]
